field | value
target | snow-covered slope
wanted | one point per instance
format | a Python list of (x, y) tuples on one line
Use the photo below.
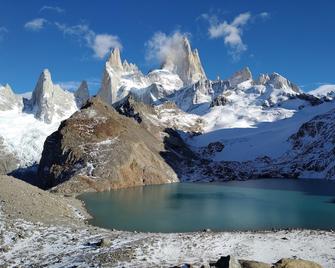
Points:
[(324, 91), (23, 135)]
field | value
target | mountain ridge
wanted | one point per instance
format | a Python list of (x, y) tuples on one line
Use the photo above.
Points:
[(240, 114)]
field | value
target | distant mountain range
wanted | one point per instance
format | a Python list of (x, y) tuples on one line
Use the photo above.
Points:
[(238, 128)]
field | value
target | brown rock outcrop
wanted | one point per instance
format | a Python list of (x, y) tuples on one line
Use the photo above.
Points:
[(99, 149)]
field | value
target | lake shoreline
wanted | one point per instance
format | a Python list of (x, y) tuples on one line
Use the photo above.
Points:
[(69, 240)]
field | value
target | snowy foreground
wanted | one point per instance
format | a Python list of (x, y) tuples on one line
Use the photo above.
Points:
[(30, 244)]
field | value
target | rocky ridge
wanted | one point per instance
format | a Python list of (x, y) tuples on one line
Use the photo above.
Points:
[(103, 150)]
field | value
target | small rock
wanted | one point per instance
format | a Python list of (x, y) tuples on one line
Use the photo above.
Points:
[(100, 243)]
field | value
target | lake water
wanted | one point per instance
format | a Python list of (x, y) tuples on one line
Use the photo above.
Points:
[(238, 205)]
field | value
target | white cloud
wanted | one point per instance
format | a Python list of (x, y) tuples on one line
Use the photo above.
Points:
[(52, 8), (232, 32), (35, 24), (101, 44), (162, 47)]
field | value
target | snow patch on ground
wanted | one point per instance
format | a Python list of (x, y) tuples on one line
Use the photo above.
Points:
[(27, 244)]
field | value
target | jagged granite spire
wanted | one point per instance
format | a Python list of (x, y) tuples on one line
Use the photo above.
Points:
[(49, 100), (187, 65), (82, 94), (111, 86), (114, 59)]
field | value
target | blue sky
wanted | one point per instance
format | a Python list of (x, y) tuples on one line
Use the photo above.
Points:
[(294, 38)]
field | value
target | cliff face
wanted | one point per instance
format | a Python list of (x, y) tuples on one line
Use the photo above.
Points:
[(187, 65), (99, 149)]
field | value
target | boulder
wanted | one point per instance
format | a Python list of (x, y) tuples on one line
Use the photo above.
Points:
[(227, 262), (296, 263), (254, 264)]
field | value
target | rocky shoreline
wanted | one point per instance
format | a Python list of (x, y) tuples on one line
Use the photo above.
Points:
[(42, 229)]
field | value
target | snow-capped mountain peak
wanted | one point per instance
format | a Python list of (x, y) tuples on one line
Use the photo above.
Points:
[(114, 59), (278, 81), (50, 102)]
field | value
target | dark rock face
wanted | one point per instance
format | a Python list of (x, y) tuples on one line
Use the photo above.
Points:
[(310, 98), (99, 149), (130, 107), (313, 146), (219, 101)]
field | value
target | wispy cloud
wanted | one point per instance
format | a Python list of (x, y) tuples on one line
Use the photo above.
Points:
[(52, 8), (232, 32), (3, 32), (101, 44), (36, 24), (162, 47), (264, 15)]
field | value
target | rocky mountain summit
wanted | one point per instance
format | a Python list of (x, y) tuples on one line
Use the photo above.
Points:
[(186, 64), (99, 149), (119, 79), (50, 101)]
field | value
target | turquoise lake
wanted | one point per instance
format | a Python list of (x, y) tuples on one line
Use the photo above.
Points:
[(237, 205)]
